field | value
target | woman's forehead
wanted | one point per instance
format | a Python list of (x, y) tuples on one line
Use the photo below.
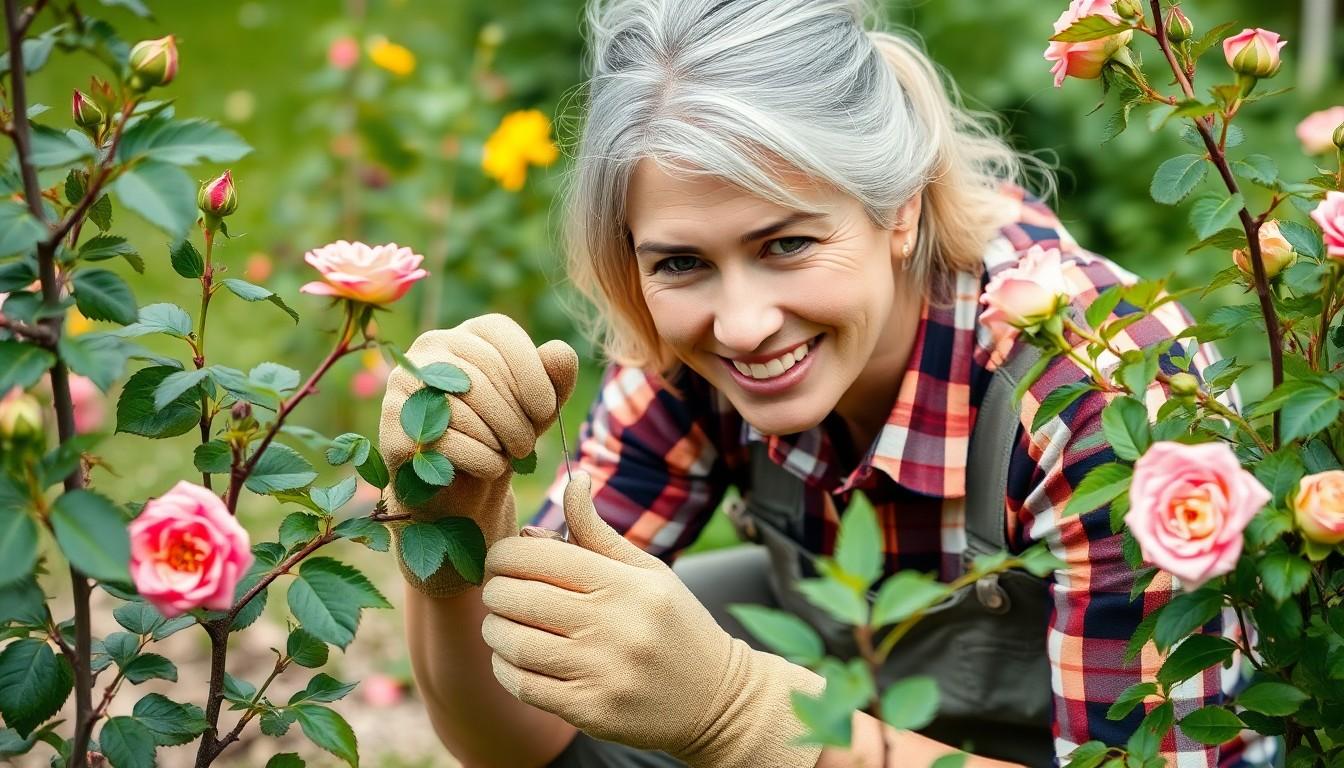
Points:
[(659, 197)]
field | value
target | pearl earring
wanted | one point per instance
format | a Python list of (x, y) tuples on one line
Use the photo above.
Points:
[(908, 247)]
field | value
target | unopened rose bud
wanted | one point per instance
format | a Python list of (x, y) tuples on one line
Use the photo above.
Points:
[(1179, 27), (1276, 252), (102, 94), (217, 196), (86, 113), (1184, 385), (1254, 52), (153, 62), (20, 416), (1129, 10), (241, 411), (1337, 138)]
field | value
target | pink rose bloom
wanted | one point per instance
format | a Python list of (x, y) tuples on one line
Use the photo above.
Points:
[(1084, 60), (1188, 507), (343, 53), (373, 275), (258, 267), (1026, 293), (1317, 130), (1254, 52), (187, 551), (382, 690), (1329, 216), (88, 403), (1319, 506)]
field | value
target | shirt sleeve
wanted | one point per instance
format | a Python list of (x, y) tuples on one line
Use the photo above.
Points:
[(657, 473), (1093, 617)]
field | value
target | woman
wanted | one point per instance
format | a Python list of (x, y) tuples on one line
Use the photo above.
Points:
[(785, 227)]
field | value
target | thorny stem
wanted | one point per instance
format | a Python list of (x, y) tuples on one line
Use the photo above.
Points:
[(198, 345)]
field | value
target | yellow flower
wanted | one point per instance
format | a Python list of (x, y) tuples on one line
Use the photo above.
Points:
[(394, 58), (522, 137), (76, 323)]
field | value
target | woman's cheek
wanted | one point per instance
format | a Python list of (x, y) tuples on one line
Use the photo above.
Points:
[(676, 315)]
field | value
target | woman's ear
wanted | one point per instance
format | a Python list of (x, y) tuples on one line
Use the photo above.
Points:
[(906, 229)]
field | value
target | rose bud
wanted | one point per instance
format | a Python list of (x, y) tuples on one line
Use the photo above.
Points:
[(218, 197), (1337, 138), (102, 94), (1254, 52), (1183, 385), (20, 416), (86, 113), (1316, 131), (1319, 507), (1084, 60), (153, 62), (1329, 216), (1275, 251), (241, 411), (1179, 27)]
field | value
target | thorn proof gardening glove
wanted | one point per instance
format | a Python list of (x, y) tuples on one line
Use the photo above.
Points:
[(515, 395), (606, 636)]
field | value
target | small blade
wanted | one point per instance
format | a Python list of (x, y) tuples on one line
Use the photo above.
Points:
[(569, 475)]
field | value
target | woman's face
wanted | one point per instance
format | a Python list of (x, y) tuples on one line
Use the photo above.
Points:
[(789, 315)]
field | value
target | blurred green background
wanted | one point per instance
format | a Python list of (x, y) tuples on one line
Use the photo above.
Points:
[(379, 155)]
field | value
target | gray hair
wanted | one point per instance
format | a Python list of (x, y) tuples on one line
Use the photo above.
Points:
[(743, 90)]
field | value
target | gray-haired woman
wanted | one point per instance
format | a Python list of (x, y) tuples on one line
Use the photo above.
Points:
[(784, 225)]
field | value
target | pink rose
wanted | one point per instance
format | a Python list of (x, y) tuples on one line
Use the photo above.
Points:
[(382, 690), (1084, 60), (1317, 130), (1026, 293), (343, 53), (187, 551), (1188, 507), (1329, 216), (88, 403), (258, 267), (1319, 506), (373, 275), (1254, 52)]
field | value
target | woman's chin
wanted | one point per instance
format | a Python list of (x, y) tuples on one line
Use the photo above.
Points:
[(780, 419)]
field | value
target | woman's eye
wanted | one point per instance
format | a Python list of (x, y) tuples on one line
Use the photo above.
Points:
[(676, 265), (789, 245)]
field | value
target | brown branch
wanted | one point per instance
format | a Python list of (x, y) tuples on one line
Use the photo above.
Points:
[(29, 14), (35, 333)]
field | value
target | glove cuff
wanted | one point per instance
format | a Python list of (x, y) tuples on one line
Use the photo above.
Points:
[(753, 720)]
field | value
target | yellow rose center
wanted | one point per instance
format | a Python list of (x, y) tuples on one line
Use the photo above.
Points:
[(1196, 515), (185, 554)]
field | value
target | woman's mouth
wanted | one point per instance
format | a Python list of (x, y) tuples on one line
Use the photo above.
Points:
[(777, 375)]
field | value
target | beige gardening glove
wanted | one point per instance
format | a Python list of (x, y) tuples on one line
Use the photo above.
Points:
[(606, 636), (516, 393)]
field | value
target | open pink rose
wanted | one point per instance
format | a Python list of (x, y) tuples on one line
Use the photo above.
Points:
[(1319, 506), (88, 404), (1026, 293), (1329, 216), (1084, 60), (187, 551), (1188, 507), (1254, 52), (377, 274), (1317, 130)]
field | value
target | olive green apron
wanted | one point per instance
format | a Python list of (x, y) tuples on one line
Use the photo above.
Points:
[(985, 645)]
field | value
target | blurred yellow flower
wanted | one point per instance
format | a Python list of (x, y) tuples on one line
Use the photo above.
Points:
[(76, 323), (522, 137), (396, 59)]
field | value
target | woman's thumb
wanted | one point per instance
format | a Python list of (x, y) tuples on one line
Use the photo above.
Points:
[(590, 531)]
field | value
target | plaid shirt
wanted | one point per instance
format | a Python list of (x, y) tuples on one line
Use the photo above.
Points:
[(661, 462)]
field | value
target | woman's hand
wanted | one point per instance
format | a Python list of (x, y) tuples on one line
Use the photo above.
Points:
[(603, 634), (516, 393)]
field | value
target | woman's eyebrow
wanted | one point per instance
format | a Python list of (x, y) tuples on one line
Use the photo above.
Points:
[(756, 234)]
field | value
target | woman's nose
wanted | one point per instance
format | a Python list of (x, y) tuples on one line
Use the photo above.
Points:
[(745, 316)]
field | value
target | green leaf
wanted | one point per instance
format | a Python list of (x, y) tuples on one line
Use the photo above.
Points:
[(329, 731), (22, 365), (322, 688), (92, 535), (836, 599), (1212, 213), (910, 704), (1033, 375), (1090, 28), (1225, 240), (425, 415), (22, 602), (782, 632), (298, 528), (1260, 169), (1284, 574), (180, 142), (327, 598), (432, 467), (1303, 239), (410, 489), (187, 261), (1100, 486), (280, 378), (1059, 399), (20, 231), (177, 384), (1125, 421), (127, 743), (285, 759), (1211, 725), (169, 722), (275, 723), (350, 446), (951, 760), (106, 247), (162, 194), (335, 497), (50, 148), (306, 650), (423, 549), (903, 594), (374, 470), (526, 465), (1131, 698), (214, 457), (1185, 613), (1311, 411), (249, 292), (858, 548), (1177, 177), (100, 213), (445, 377), (466, 546), (1196, 654), (18, 544), (34, 51), (1279, 472), (103, 295), (150, 666), (17, 275), (366, 531), (138, 617), (1272, 698), (160, 318), (280, 468), (34, 683), (136, 412)]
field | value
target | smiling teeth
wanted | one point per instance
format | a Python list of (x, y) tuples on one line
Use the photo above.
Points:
[(773, 368)]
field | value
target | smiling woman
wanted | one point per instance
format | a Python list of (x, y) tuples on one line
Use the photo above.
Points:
[(785, 227)]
